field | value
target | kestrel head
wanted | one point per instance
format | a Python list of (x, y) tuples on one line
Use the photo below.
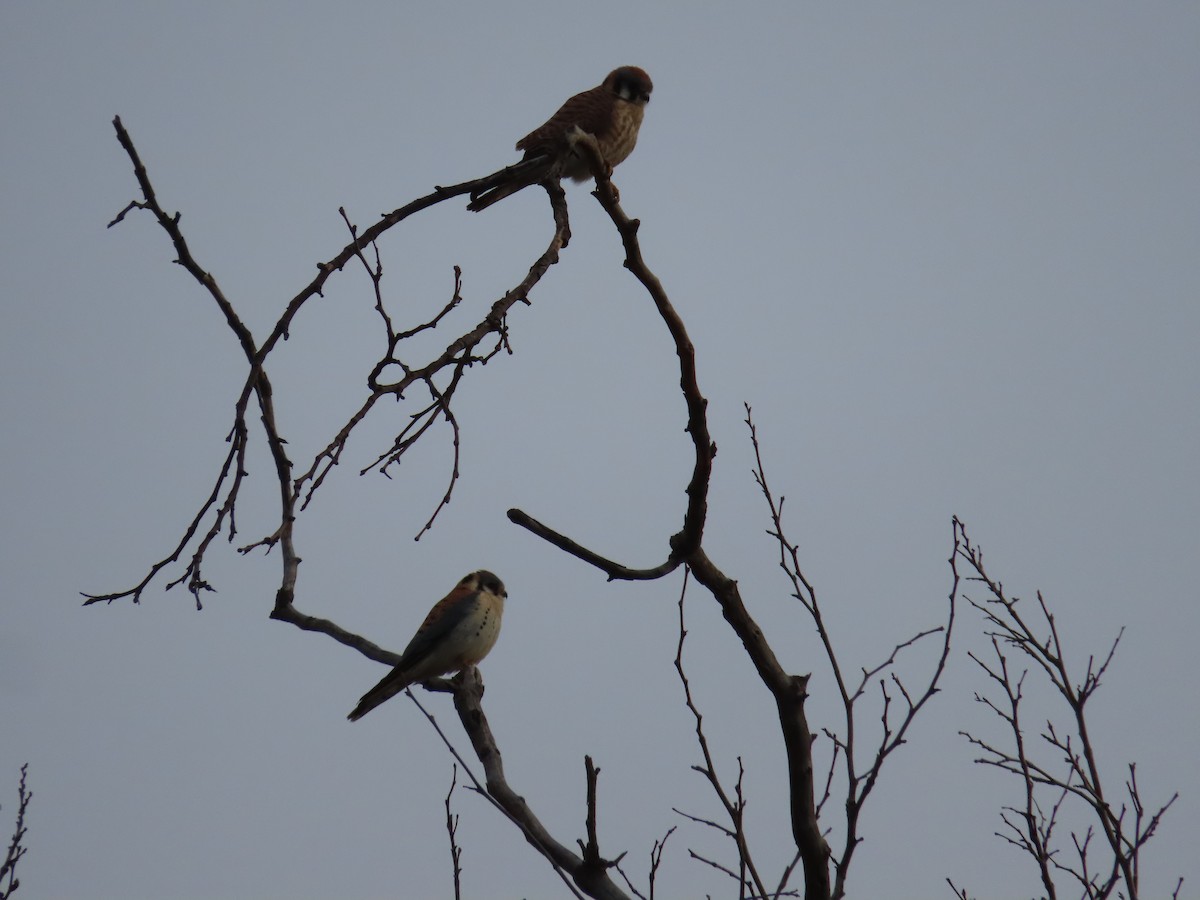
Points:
[(630, 83), (483, 580)]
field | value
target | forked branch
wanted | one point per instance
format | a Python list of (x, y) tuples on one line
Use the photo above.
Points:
[(788, 691), (1070, 773), (861, 770), (440, 376)]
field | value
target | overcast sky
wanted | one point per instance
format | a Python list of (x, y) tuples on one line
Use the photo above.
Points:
[(950, 253)]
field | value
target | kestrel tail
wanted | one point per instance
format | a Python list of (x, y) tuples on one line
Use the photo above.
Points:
[(458, 632), (611, 112)]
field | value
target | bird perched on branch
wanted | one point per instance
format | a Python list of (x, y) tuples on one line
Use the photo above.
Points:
[(458, 632), (611, 113)]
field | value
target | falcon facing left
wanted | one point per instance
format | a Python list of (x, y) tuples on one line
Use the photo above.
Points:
[(610, 112)]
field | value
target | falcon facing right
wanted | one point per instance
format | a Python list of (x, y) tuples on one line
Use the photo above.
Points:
[(611, 113), (458, 632)]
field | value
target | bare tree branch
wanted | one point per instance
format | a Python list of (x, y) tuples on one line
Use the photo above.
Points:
[(593, 862), (656, 855), (789, 691), (859, 784), (440, 376), (452, 832), (735, 808), (478, 785), (1072, 776), (590, 876), (583, 876), (16, 846), (1074, 773), (687, 540)]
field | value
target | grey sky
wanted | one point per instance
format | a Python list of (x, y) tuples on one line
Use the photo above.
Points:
[(948, 252)]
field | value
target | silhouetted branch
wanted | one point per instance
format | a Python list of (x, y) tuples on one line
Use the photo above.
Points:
[(687, 539), (452, 832), (1074, 773), (893, 726), (16, 846), (735, 808), (584, 875), (594, 864), (1031, 824), (471, 680), (789, 691), (391, 375), (441, 376), (656, 855), (256, 383), (590, 876), (614, 570)]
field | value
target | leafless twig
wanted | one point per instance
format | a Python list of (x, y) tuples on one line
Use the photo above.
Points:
[(1072, 773), (687, 540), (589, 876), (471, 681), (16, 846), (392, 376), (594, 863), (440, 376), (861, 775), (788, 691), (452, 831), (734, 808)]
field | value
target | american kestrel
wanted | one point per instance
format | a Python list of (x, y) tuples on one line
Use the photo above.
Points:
[(458, 632), (611, 113)]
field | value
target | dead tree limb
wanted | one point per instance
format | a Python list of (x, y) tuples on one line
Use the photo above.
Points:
[(1061, 768)]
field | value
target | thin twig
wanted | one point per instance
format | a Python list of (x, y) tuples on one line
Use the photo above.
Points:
[(452, 831), (1107, 853), (16, 846), (734, 808)]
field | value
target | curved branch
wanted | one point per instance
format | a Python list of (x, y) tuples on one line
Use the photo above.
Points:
[(789, 691), (614, 570), (687, 540)]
